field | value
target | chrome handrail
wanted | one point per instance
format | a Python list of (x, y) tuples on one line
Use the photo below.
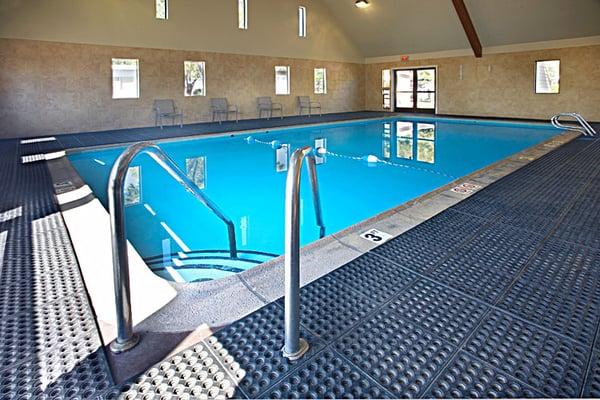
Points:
[(126, 339), (585, 128), (295, 346)]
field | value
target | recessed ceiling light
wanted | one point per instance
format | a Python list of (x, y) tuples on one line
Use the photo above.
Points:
[(362, 3)]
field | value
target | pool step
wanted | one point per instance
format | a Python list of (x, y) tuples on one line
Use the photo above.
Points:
[(204, 265)]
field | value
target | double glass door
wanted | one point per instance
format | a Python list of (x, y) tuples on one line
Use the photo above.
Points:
[(415, 90)]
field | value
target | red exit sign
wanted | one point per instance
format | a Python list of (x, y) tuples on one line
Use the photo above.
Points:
[(404, 58)]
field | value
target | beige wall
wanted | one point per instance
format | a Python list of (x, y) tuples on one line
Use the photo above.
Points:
[(502, 85), (54, 88), (200, 25)]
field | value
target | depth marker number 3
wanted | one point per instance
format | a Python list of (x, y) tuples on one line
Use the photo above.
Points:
[(376, 236)]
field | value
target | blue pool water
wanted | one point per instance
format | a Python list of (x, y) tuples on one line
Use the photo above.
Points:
[(181, 240)]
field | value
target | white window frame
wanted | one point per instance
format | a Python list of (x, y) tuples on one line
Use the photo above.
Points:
[(166, 10), (324, 91), (537, 86), (203, 63), (137, 79), (302, 21), (243, 14), (288, 88)]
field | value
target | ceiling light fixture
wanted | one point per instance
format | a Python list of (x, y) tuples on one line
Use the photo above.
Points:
[(362, 3)]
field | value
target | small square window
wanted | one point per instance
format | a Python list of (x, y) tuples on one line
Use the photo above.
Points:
[(125, 78), (282, 80), (162, 9), (302, 21), (547, 76), (320, 80), (243, 14), (194, 78)]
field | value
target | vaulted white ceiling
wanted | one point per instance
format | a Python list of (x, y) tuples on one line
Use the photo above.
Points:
[(391, 27)]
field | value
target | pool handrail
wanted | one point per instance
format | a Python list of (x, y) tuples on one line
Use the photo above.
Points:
[(585, 128), (126, 339), (295, 347)]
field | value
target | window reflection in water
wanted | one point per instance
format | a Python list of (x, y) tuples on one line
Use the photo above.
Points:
[(244, 223), (404, 140), (282, 156), (320, 143), (426, 143), (407, 147), (387, 141), (196, 170), (133, 188)]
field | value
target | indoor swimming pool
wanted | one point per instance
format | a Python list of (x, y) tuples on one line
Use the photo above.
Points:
[(364, 168)]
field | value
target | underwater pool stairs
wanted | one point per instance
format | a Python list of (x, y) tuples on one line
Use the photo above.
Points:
[(211, 259), (498, 296)]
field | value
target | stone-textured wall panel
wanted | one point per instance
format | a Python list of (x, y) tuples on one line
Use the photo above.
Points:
[(502, 85), (54, 88)]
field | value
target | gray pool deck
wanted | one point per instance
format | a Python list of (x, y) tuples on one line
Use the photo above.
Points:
[(498, 296)]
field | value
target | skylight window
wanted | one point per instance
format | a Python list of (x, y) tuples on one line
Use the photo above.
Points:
[(162, 9), (243, 14), (302, 21)]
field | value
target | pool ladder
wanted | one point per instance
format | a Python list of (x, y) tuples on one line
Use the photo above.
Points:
[(126, 339), (584, 127), (295, 346)]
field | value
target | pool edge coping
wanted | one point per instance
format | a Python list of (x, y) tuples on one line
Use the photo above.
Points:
[(234, 133)]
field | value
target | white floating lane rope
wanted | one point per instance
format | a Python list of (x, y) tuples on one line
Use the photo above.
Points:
[(370, 159), (373, 160), (275, 144)]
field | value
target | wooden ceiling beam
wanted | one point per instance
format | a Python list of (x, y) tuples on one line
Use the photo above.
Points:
[(467, 23)]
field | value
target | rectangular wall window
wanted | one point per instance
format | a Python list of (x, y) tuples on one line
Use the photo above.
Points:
[(302, 21), (125, 78), (243, 14), (194, 78), (282, 80), (547, 76), (386, 88), (320, 80), (162, 9)]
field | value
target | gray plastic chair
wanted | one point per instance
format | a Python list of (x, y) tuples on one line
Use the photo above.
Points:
[(220, 106), (266, 104), (166, 109), (304, 102)]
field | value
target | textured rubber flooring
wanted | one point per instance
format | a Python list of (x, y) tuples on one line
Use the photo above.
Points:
[(492, 298), (497, 297)]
